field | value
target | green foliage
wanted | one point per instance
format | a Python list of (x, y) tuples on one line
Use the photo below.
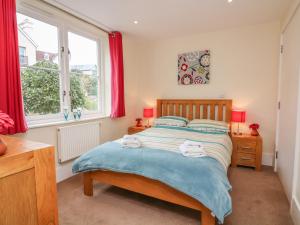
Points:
[(88, 88), (78, 98), (90, 84), (41, 88), (41, 84)]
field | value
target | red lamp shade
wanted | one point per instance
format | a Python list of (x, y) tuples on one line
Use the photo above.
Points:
[(148, 112), (238, 116)]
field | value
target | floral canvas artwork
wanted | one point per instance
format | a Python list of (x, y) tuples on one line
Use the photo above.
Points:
[(193, 68)]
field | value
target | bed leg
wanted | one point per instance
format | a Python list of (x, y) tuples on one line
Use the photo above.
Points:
[(87, 184), (207, 218)]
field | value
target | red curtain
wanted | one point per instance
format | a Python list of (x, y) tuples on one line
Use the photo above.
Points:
[(11, 101), (117, 75)]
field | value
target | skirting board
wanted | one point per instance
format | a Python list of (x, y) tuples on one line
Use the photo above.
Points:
[(267, 159), (295, 211), (64, 171)]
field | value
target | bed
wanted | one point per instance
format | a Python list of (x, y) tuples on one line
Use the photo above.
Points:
[(159, 181)]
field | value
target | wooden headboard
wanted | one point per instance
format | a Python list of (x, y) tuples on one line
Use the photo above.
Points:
[(215, 109)]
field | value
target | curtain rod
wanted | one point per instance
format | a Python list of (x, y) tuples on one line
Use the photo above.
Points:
[(77, 17)]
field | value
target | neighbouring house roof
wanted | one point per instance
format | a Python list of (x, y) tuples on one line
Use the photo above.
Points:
[(27, 36), (40, 55)]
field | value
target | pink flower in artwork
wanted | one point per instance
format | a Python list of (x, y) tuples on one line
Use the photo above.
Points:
[(186, 79), (184, 67), (5, 122)]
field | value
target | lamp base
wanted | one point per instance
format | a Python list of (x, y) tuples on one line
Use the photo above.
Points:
[(238, 131), (148, 124)]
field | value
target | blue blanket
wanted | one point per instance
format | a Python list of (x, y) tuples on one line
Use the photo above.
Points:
[(201, 178)]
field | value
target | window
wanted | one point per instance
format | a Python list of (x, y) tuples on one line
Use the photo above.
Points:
[(23, 58), (59, 70), (40, 77), (83, 72)]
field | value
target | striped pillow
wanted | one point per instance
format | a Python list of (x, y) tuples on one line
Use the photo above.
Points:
[(209, 126), (174, 121)]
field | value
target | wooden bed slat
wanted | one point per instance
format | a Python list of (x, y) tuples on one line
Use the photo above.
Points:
[(220, 112), (197, 111), (183, 110), (165, 106), (171, 109), (204, 111), (212, 111), (158, 107), (177, 108), (191, 111)]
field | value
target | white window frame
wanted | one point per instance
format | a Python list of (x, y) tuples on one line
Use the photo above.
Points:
[(63, 28), (100, 54)]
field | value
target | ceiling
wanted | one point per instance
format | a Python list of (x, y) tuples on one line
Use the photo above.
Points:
[(171, 18)]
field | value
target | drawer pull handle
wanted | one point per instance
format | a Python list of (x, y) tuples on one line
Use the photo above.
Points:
[(246, 147), (244, 158)]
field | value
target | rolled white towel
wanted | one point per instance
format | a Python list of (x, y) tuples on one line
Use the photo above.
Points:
[(130, 142), (129, 137), (193, 143), (192, 151)]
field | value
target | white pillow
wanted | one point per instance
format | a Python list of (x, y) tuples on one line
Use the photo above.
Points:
[(209, 126), (174, 121)]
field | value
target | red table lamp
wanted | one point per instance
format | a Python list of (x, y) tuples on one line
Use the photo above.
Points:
[(238, 116), (148, 113)]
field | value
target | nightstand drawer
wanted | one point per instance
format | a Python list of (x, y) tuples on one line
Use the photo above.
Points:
[(246, 159), (247, 147)]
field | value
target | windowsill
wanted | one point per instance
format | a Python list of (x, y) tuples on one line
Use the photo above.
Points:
[(64, 122)]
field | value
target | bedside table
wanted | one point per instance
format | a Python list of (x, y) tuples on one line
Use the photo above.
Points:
[(134, 129), (247, 151)]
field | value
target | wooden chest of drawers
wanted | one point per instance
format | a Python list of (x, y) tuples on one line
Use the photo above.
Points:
[(27, 184), (247, 151)]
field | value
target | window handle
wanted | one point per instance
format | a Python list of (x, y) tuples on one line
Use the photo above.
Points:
[(64, 95)]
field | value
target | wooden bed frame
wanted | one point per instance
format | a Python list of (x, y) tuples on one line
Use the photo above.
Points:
[(191, 109)]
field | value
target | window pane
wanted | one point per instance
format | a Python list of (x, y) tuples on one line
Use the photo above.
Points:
[(39, 66), (84, 78), (84, 92)]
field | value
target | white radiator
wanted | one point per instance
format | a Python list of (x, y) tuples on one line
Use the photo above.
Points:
[(75, 140)]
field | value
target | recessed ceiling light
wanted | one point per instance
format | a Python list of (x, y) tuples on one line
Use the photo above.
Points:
[(229, 1), (135, 22)]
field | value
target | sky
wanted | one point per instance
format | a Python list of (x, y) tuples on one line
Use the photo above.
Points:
[(83, 50)]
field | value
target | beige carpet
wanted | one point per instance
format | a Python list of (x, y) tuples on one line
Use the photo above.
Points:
[(258, 199)]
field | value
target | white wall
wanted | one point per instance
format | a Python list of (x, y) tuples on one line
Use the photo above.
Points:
[(110, 129), (244, 67)]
